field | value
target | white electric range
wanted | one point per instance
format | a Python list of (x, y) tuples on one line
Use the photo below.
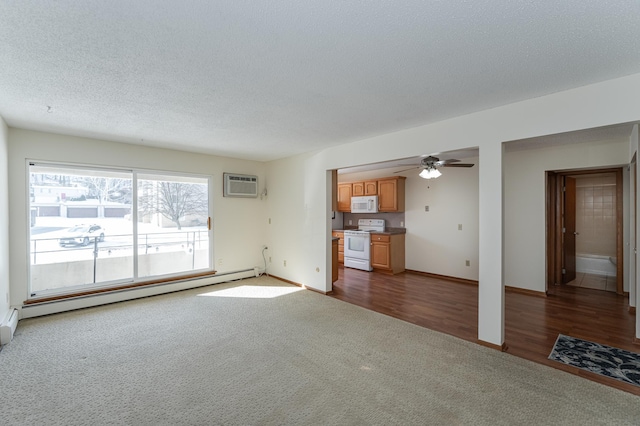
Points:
[(357, 243)]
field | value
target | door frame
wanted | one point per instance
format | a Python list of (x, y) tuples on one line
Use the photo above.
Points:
[(554, 201), (569, 230)]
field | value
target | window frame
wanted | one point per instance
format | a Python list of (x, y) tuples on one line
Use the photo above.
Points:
[(134, 280)]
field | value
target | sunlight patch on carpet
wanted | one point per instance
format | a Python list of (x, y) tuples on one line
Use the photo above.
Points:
[(253, 292)]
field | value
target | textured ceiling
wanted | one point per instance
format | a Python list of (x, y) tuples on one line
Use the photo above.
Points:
[(266, 80)]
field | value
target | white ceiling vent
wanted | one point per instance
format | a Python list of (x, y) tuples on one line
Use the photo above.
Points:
[(240, 185)]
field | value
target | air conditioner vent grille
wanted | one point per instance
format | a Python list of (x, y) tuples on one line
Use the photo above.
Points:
[(240, 185)]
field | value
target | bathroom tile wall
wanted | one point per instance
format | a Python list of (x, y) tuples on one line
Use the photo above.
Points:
[(596, 215)]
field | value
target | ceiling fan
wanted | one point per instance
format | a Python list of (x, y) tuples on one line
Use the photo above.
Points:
[(430, 165)]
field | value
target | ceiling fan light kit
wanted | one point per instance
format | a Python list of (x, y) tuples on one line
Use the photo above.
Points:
[(430, 173), (430, 164)]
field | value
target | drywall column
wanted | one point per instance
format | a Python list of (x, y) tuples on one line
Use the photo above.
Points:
[(634, 293), (332, 177), (629, 278), (4, 222), (491, 288), (630, 213)]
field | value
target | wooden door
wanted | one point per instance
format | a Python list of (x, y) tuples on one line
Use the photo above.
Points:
[(569, 231), (554, 264)]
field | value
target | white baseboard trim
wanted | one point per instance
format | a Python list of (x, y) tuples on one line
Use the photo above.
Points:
[(8, 327), (36, 310)]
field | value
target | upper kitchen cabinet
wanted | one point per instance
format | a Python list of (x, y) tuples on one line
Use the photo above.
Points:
[(391, 194), (370, 187), (344, 197), (357, 189)]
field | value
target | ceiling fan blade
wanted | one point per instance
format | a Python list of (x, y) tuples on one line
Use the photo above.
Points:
[(458, 165), (445, 162), (400, 171)]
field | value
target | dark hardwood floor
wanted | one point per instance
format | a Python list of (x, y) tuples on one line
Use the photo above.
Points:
[(532, 323)]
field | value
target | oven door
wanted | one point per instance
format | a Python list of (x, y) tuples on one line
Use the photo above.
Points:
[(357, 245)]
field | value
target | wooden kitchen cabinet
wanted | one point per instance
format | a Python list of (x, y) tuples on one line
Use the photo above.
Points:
[(340, 235), (391, 194), (357, 189), (387, 253), (334, 261), (371, 187), (344, 197), (380, 252)]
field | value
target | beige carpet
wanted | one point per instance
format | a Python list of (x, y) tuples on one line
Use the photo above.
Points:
[(260, 351)]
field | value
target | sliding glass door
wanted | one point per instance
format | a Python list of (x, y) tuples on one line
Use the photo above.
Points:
[(173, 227), (94, 228)]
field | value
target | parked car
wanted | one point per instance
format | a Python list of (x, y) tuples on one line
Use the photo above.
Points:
[(82, 235)]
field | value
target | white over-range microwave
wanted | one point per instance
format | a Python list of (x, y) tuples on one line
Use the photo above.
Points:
[(368, 204)]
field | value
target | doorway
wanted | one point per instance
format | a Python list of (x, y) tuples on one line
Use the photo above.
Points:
[(584, 229)]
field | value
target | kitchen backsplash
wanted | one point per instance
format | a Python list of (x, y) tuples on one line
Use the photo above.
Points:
[(337, 220), (391, 220)]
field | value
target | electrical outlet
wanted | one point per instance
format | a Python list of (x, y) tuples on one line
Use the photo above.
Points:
[(467, 262), (220, 261), (350, 221), (459, 227), (285, 263), (426, 208), (269, 259), (401, 224)]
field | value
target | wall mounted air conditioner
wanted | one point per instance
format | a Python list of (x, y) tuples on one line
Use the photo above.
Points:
[(240, 185)]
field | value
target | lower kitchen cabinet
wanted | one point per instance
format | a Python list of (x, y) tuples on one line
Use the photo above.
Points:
[(387, 253), (340, 235), (334, 260)]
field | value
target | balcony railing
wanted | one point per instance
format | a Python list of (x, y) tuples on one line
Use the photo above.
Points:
[(48, 250)]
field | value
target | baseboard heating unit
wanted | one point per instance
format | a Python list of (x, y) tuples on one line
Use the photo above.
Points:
[(7, 329)]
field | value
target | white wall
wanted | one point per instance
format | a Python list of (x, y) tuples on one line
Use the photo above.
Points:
[(238, 223), (607, 103), (300, 213), (525, 188), (433, 243), (4, 222)]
